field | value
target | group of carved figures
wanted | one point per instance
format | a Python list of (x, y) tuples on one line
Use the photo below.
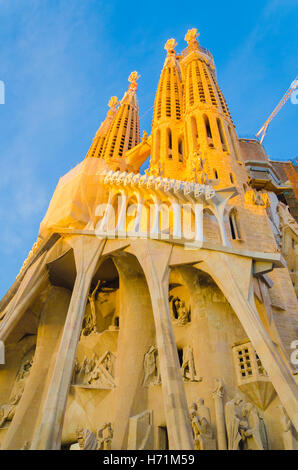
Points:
[(95, 372), (102, 440), (246, 428), (152, 371), (7, 411)]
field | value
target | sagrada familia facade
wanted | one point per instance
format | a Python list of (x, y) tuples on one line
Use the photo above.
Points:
[(158, 310)]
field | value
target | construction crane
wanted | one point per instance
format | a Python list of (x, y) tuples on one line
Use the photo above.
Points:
[(263, 130)]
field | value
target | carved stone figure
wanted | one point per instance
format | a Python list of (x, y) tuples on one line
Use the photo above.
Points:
[(89, 321), (218, 393), (86, 439), (151, 367), (26, 446), (256, 432), (288, 431), (104, 437), (234, 422), (179, 312), (201, 426), (188, 366), (7, 411)]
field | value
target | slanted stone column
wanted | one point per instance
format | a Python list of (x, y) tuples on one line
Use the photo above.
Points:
[(136, 336), (154, 258), (218, 393), (34, 280), (87, 251)]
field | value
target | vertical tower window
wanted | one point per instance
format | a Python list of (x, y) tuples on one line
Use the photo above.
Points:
[(157, 145), (222, 135), (194, 130), (208, 131), (170, 145), (234, 225), (232, 178), (180, 149), (215, 173)]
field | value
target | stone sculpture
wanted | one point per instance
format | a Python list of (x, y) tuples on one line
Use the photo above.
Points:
[(151, 367), (188, 366), (7, 411), (201, 426)]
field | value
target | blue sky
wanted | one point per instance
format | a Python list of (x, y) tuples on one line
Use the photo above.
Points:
[(61, 61)]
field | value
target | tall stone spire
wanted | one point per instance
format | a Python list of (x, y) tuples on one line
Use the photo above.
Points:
[(99, 139), (208, 124), (167, 136), (124, 133)]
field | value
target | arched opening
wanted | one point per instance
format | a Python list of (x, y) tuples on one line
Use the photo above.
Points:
[(165, 218), (147, 217), (232, 178), (194, 131), (222, 135), (208, 131), (234, 225), (180, 149), (170, 143), (188, 222), (131, 214), (215, 173)]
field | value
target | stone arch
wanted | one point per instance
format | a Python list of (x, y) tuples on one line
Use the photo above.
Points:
[(232, 219), (132, 212)]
